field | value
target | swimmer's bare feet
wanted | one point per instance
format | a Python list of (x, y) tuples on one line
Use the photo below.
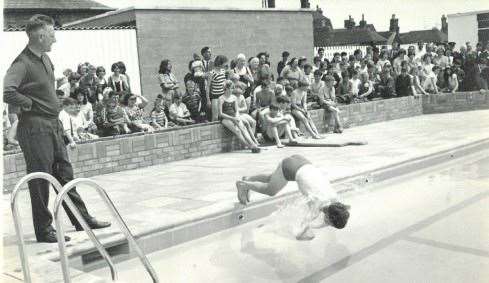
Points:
[(243, 192)]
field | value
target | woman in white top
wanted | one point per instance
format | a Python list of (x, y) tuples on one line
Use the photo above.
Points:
[(85, 109), (314, 186), (244, 73)]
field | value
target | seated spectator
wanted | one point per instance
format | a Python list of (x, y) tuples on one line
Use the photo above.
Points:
[(168, 82), (416, 82), (117, 81), (85, 109), (460, 75), (386, 88), (61, 96), (135, 113), (299, 109), (484, 66), (313, 94), (229, 115), (396, 64), (353, 87), (69, 88), (327, 101), (441, 83), (193, 100), (179, 113), (247, 120), (384, 58), (116, 118), (281, 65), (264, 96), (343, 88), (403, 83), (82, 69), (308, 75), (73, 124), (451, 79), (292, 72), (440, 59), (283, 102), (90, 81), (316, 63), (277, 125), (366, 88), (216, 81), (100, 113), (158, 117)]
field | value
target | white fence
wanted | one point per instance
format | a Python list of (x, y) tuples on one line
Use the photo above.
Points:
[(329, 51), (99, 47)]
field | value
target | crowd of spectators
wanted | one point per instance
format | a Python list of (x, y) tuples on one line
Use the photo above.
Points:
[(256, 101)]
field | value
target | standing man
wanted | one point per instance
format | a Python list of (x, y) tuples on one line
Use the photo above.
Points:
[(29, 85), (281, 65)]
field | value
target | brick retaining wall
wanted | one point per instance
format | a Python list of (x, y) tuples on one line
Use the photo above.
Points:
[(462, 101), (115, 154)]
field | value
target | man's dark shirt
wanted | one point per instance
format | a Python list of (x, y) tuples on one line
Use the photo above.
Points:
[(193, 104), (29, 82), (403, 85), (280, 67), (386, 87)]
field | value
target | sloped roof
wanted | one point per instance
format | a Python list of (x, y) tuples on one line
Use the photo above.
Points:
[(430, 35), (347, 37), (55, 4)]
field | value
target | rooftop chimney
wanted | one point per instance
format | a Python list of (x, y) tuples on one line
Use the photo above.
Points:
[(350, 23), (363, 23), (394, 24)]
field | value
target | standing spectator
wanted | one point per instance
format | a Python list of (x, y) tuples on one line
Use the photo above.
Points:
[(117, 81), (396, 64), (216, 81), (135, 113), (179, 113), (229, 114), (82, 69), (472, 73), (168, 82), (403, 83), (207, 55), (193, 101), (316, 64), (29, 85), (244, 73), (281, 65), (484, 67), (321, 54)]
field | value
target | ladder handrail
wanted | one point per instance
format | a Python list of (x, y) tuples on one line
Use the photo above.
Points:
[(115, 213), (15, 215)]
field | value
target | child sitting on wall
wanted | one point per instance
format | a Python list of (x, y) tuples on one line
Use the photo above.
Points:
[(73, 124), (116, 118), (158, 117)]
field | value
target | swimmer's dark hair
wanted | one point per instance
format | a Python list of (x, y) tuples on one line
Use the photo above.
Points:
[(337, 214)]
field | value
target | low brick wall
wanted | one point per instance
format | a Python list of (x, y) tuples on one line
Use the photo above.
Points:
[(115, 154), (461, 101)]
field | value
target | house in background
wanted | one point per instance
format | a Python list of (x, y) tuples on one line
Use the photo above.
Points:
[(469, 27), (17, 12), (427, 36)]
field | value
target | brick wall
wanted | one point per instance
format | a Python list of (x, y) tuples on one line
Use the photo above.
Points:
[(462, 101), (135, 151), (177, 34)]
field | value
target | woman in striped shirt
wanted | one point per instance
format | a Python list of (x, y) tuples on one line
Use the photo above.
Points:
[(216, 80)]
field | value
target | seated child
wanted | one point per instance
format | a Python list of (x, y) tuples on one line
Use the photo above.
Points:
[(276, 125), (247, 120), (116, 118), (72, 123), (299, 108), (179, 113), (135, 112), (193, 100), (158, 117), (327, 100)]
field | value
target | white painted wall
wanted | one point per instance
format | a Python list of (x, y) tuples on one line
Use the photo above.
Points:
[(462, 28), (99, 47)]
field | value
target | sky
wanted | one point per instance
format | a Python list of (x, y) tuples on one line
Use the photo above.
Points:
[(412, 14)]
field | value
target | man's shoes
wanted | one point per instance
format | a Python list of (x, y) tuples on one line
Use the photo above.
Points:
[(94, 224), (50, 237)]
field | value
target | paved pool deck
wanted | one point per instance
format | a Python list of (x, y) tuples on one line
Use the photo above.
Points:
[(177, 193)]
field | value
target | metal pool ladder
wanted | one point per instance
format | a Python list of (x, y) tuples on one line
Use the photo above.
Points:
[(60, 232), (15, 215)]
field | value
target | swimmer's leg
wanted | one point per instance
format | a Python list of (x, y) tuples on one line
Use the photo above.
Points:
[(265, 178), (276, 183)]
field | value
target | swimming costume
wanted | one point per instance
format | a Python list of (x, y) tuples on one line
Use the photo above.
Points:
[(291, 165)]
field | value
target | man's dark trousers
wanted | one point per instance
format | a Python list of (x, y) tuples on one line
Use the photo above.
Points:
[(41, 141)]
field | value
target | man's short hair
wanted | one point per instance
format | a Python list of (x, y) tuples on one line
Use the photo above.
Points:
[(285, 54), (69, 101), (343, 54), (320, 49), (204, 50), (283, 99), (274, 106), (220, 60), (37, 22)]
